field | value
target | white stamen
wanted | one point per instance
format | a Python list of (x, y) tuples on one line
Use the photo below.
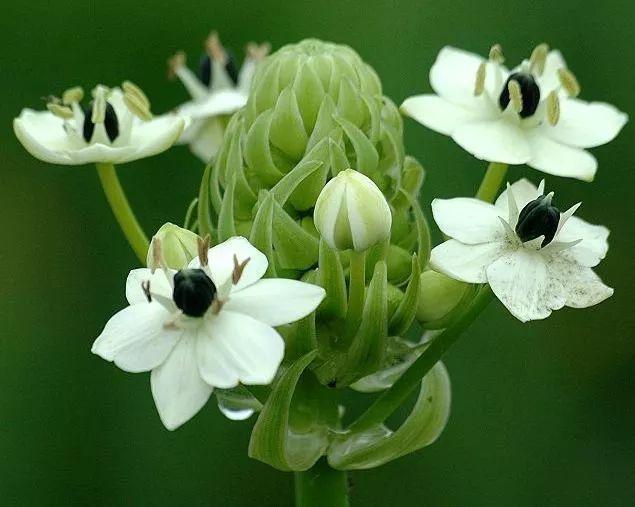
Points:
[(538, 59), (569, 82), (479, 84), (73, 95), (66, 113), (99, 104), (137, 107), (132, 89), (553, 108), (515, 95), (496, 54)]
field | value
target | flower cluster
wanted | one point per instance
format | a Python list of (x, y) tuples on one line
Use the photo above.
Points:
[(322, 270)]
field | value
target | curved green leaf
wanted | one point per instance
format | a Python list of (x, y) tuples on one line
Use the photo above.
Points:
[(288, 437), (379, 445)]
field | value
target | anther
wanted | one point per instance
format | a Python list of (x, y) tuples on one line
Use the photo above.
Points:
[(569, 82), (73, 95), (175, 63), (515, 95), (523, 92), (99, 106), (157, 253), (145, 286), (538, 59), (137, 107), (479, 83), (553, 108), (60, 111), (203, 249), (132, 89), (496, 54), (257, 52), (239, 267)]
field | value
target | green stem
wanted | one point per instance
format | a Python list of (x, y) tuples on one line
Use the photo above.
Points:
[(492, 181), (392, 398), (122, 210), (356, 292), (321, 486)]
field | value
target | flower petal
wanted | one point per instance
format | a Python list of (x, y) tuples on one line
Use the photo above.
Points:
[(522, 282), (178, 390), (221, 262), (549, 80), (524, 192), (466, 263), (555, 158), (159, 284), (209, 136), (235, 348), (135, 338), (583, 288), (214, 104), (468, 220), (453, 75), (437, 113), (276, 301), (594, 245), (42, 134), (155, 136), (494, 140), (586, 124)]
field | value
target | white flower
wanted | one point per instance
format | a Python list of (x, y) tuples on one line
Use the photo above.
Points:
[(536, 260), (219, 91), (116, 127), (351, 212), (527, 116), (210, 325)]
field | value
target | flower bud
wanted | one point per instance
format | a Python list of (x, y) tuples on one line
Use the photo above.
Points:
[(178, 247), (438, 296), (351, 212)]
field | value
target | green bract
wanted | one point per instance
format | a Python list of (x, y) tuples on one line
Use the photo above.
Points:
[(316, 109)]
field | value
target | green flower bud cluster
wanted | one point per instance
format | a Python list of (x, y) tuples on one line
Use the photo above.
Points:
[(313, 172)]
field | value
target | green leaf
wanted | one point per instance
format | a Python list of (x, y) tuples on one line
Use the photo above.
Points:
[(379, 445), (258, 152), (324, 124), (307, 192), (290, 434), (226, 224), (423, 232), (287, 185), (295, 247), (407, 309), (331, 278), (205, 225), (287, 128), (262, 231), (309, 91), (366, 155)]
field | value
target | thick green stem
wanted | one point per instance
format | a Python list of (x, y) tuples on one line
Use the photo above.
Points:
[(392, 398), (321, 486), (492, 181), (122, 210), (356, 292)]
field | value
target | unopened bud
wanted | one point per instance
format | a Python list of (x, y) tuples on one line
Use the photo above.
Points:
[(438, 296), (351, 212), (178, 247)]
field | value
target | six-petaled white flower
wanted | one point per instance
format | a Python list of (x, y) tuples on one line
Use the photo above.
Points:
[(209, 325), (535, 258), (218, 91), (527, 116), (116, 127)]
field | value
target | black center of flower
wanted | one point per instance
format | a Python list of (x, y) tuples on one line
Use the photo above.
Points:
[(538, 218), (111, 123), (205, 69), (529, 90), (193, 291)]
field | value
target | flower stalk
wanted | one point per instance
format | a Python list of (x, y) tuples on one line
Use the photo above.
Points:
[(392, 398), (121, 208), (492, 181), (321, 486)]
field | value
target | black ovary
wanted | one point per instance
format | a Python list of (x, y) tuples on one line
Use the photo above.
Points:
[(538, 218), (529, 90), (111, 123), (193, 292)]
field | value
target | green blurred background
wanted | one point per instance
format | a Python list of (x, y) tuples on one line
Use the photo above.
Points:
[(542, 413)]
